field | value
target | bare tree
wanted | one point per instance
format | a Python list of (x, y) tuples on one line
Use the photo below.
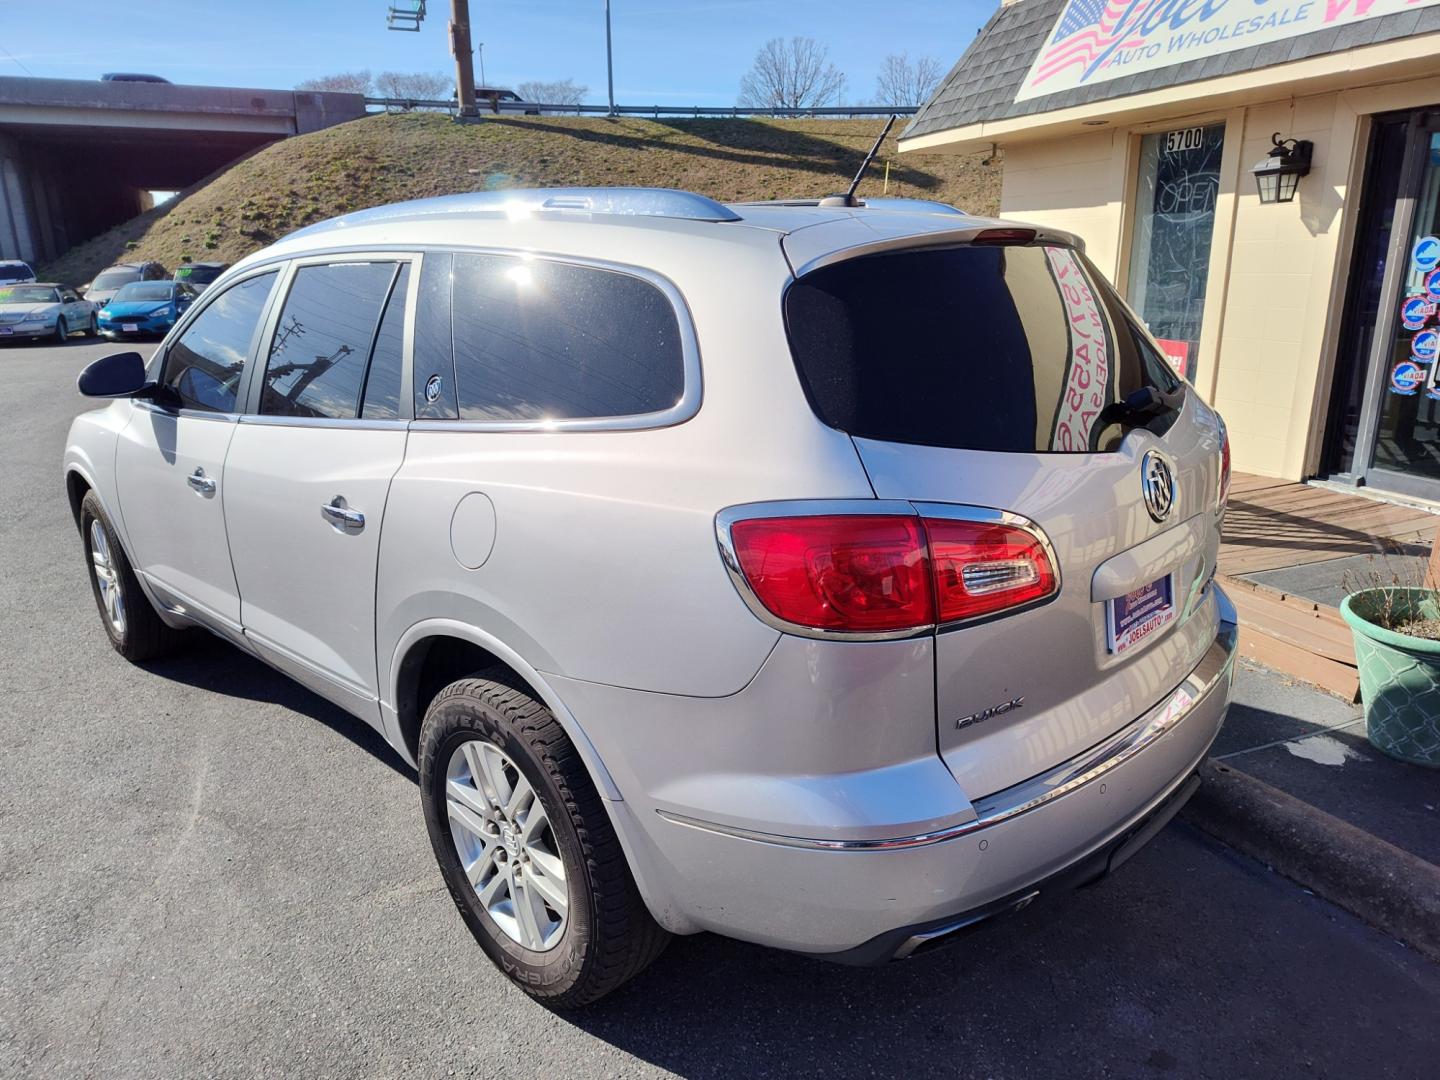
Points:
[(419, 85), (556, 92), (905, 82), (794, 74), (342, 82)]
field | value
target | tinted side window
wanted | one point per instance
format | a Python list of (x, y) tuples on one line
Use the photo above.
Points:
[(382, 383), (541, 340), (322, 343), (204, 366)]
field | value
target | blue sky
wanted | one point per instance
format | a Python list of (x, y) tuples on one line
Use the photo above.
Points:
[(665, 52)]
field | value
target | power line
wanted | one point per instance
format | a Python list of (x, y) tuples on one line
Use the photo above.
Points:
[(12, 56)]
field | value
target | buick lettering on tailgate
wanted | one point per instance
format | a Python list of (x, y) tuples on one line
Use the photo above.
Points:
[(1136, 615)]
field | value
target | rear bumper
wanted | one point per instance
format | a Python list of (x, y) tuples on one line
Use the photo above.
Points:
[(863, 898)]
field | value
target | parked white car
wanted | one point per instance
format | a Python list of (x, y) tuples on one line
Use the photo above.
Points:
[(15, 272), (832, 577), (44, 310)]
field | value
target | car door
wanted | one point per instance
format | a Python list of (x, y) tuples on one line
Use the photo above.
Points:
[(309, 471), (77, 312), (170, 457)]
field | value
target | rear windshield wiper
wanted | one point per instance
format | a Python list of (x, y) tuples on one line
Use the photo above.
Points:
[(1142, 406)]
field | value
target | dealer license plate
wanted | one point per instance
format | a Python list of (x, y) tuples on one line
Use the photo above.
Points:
[(129, 327), (1132, 618)]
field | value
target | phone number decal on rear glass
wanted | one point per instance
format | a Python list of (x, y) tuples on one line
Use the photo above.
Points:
[(1087, 377)]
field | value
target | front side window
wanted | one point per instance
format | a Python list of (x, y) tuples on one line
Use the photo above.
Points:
[(317, 361), (541, 340), (204, 366)]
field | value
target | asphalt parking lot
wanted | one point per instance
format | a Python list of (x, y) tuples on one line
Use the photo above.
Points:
[(205, 870)]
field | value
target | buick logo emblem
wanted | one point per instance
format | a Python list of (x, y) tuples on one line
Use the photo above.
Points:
[(1157, 483)]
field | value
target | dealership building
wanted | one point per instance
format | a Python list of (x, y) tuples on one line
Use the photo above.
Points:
[(1261, 180)]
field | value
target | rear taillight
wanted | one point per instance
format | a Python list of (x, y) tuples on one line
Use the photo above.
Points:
[(1224, 493), (868, 574), (856, 574), (982, 568)]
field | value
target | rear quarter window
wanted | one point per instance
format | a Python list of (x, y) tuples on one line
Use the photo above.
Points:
[(1003, 348), (537, 340)]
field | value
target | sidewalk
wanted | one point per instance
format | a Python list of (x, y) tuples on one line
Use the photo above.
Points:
[(1293, 782)]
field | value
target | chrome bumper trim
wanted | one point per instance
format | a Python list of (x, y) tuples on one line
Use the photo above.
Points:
[(1034, 793)]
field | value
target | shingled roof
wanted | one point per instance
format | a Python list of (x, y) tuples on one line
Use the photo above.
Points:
[(983, 84)]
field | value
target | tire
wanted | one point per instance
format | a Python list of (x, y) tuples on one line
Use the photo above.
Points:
[(62, 330), (138, 633), (606, 936), (93, 330)]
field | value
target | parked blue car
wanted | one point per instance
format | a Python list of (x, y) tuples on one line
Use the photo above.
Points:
[(145, 307)]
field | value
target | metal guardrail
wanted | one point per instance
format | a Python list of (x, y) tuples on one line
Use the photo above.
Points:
[(522, 108)]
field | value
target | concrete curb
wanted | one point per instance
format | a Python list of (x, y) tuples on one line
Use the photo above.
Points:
[(1390, 889)]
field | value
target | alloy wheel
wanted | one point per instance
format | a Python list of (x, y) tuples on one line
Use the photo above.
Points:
[(506, 845), (102, 565)]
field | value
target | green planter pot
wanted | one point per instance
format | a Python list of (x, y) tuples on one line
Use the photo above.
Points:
[(1399, 674)]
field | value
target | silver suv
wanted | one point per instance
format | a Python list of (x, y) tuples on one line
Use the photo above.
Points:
[(832, 577)]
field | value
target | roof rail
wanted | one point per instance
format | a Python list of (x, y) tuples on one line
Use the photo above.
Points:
[(909, 206), (522, 202)]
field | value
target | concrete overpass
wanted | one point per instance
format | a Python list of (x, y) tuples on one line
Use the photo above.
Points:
[(77, 157)]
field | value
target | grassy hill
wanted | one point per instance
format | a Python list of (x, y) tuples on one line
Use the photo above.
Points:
[(388, 158)]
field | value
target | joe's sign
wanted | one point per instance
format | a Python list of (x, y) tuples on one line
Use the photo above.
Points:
[(1098, 40)]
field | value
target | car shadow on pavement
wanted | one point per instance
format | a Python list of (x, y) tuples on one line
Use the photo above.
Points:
[(215, 665), (1135, 976)]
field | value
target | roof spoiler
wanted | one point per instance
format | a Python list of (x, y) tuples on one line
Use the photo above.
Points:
[(811, 248)]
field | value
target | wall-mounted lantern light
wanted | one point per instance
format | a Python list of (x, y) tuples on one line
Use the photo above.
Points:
[(1278, 175)]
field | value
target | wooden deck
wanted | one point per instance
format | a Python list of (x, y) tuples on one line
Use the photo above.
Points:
[(1275, 523)]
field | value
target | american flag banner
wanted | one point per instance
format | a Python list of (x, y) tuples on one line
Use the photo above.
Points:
[(1095, 41)]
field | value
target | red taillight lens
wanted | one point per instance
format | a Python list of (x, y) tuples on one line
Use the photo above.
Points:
[(851, 573), (984, 568), (1224, 496)]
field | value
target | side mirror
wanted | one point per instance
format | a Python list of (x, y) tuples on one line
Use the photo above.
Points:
[(119, 375)]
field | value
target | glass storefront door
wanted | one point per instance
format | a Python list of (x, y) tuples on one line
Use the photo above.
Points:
[(1178, 182), (1400, 418)]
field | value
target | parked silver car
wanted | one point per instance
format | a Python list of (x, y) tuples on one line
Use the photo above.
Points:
[(44, 310), (830, 577)]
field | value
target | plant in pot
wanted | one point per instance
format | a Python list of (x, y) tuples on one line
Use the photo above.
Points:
[(1395, 618)]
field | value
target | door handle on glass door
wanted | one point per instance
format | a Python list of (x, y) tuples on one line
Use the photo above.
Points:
[(200, 482), (339, 514)]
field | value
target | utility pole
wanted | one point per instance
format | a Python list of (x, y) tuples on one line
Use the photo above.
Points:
[(460, 47), (480, 52), (609, 59)]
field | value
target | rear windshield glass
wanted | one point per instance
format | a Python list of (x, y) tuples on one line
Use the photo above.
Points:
[(113, 279), (15, 272), (145, 290), (1004, 348)]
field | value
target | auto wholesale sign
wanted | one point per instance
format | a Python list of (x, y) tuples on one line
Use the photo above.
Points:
[(1095, 41)]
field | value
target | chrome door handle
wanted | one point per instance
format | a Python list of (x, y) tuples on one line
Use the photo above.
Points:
[(340, 515), (200, 482)]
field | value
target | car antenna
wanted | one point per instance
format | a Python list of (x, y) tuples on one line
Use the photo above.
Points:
[(848, 199)]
